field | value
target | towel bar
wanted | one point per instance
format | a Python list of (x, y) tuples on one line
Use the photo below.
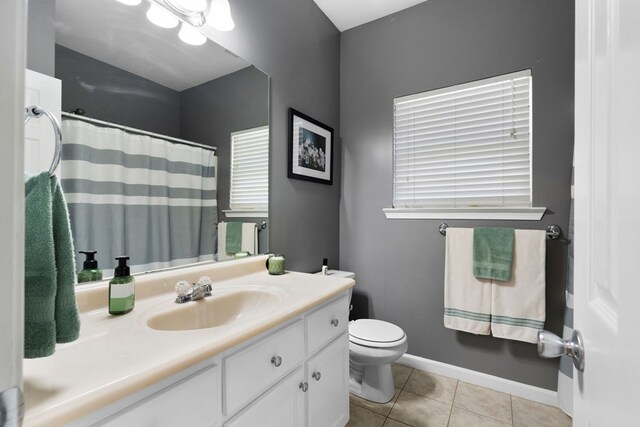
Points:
[(33, 111), (553, 231)]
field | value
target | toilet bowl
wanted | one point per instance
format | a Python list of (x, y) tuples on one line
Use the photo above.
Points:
[(373, 346)]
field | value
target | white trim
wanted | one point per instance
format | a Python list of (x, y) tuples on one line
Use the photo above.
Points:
[(237, 213), (525, 391), (469, 85), (522, 214)]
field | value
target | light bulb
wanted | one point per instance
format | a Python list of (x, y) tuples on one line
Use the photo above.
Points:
[(220, 15), (190, 5), (130, 2), (190, 35), (161, 17)]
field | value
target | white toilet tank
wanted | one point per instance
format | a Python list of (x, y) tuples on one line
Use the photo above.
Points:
[(345, 274)]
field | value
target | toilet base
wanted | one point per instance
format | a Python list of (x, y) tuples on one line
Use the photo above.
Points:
[(374, 383)]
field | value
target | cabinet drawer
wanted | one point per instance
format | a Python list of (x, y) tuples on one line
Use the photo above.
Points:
[(194, 401), (251, 371), (326, 323)]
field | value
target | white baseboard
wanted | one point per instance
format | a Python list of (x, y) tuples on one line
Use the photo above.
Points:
[(515, 388)]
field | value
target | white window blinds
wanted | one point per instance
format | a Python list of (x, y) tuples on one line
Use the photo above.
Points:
[(464, 146), (250, 169)]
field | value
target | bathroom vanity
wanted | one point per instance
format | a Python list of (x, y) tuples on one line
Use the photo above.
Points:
[(262, 350)]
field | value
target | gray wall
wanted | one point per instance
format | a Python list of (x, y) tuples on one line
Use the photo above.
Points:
[(114, 95), (297, 45), (41, 36), (399, 263), (211, 111)]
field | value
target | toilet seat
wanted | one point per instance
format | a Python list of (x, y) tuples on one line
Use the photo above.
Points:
[(376, 333)]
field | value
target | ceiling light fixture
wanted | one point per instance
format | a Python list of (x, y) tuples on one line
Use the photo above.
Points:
[(189, 6), (219, 16), (191, 36), (161, 17), (130, 2)]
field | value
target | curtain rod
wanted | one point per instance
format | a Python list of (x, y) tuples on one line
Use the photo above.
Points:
[(137, 131)]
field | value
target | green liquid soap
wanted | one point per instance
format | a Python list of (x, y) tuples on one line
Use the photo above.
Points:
[(90, 271), (122, 296)]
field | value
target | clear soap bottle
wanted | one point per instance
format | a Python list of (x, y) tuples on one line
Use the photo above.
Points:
[(90, 271), (122, 296)]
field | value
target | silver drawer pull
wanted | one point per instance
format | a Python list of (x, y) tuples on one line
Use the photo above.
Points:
[(276, 361), (335, 322), (316, 375), (304, 387)]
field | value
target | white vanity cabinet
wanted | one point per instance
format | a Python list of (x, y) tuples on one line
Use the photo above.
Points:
[(316, 391), (294, 375)]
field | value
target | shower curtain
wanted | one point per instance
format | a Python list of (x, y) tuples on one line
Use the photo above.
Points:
[(565, 374), (140, 196)]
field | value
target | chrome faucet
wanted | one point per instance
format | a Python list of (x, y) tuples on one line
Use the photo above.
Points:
[(193, 291)]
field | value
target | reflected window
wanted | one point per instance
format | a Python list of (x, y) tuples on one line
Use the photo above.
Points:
[(250, 170)]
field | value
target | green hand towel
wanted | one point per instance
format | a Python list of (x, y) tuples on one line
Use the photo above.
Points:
[(493, 253), (66, 310), (233, 239), (50, 306)]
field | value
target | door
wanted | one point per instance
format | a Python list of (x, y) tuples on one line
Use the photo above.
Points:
[(328, 378), (607, 202), (281, 406)]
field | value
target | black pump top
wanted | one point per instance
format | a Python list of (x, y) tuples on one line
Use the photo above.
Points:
[(90, 262), (325, 261), (122, 269)]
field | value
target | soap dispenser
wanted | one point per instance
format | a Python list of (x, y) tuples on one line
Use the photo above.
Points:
[(325, 266), (121, 288), (90, 271)]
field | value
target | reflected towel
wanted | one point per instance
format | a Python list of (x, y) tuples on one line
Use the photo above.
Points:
[(467, 300), (518, 306), (50, 308), (249, 242), (233, 238), (492, 252)]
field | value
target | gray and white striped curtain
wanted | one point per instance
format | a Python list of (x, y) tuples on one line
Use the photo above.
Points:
[(135, 195), (565, 374)]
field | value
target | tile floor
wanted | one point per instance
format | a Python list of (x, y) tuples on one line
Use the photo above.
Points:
[(427, 400)]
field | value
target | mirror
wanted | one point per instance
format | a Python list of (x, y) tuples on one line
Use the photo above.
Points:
[(145, 108)]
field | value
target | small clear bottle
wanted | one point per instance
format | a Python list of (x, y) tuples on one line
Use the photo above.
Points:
[(90, 271), (122, 296)]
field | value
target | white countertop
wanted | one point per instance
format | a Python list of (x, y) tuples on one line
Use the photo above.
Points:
[(119, 355)]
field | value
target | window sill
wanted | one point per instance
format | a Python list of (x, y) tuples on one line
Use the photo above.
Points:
[(522, 214), (236, 213)]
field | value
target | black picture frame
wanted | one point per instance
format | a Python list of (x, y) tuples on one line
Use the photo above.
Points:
[(310, 149)]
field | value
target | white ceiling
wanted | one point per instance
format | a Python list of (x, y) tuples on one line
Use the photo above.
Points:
[(122, 36), (347, 14)]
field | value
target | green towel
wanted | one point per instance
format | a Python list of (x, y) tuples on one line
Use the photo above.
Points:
[(233, 238), (493, 253), (50, 311)]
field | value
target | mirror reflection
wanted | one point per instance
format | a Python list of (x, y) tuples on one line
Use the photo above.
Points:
[(165, 153)]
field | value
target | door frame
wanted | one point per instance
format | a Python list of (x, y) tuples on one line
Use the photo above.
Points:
[(13, 27)]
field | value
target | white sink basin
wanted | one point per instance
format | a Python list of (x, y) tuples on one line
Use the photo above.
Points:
[(216, 311)]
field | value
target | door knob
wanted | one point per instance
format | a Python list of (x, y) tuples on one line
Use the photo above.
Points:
[(550, 345)]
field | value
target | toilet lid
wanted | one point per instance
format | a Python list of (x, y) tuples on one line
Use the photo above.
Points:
[(375, 331)]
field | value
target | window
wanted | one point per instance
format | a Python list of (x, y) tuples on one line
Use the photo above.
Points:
[(465, 148), (249, 188)]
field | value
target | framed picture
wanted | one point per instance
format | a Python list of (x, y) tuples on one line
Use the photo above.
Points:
[(310, 149)]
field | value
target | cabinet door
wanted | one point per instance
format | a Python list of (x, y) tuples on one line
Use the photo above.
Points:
[(194, 401), (328, 378), (282, 406)]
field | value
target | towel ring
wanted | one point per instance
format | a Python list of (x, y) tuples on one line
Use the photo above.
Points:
[(33, 111)]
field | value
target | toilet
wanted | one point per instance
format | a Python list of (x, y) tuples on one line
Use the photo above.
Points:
[(373, 346)]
